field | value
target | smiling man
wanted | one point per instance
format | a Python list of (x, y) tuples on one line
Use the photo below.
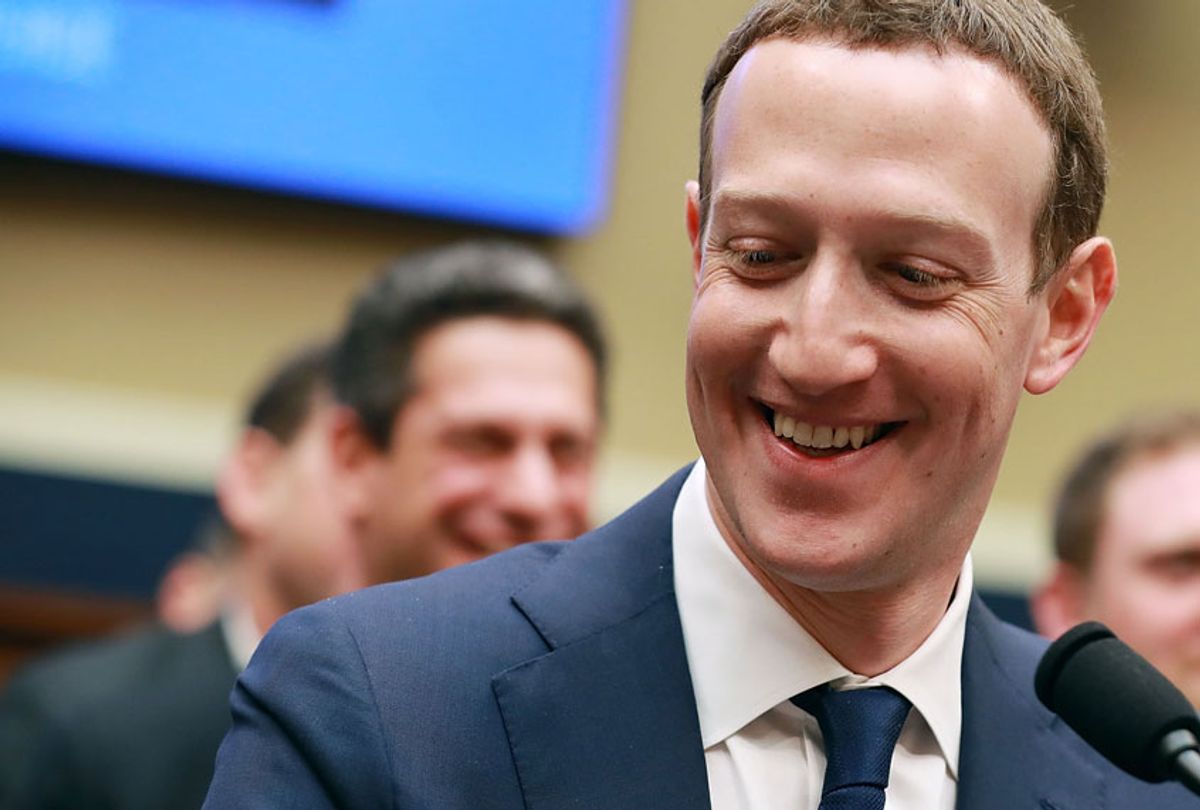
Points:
[(470, 380), (893, 235), (468, 383)]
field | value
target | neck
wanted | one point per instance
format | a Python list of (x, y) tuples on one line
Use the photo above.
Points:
[(867, 631)]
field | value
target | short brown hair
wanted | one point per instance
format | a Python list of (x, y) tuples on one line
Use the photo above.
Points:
[(1023, 36), (1081, 507)]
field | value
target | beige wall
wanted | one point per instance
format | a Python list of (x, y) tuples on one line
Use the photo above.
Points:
[(134, 313)]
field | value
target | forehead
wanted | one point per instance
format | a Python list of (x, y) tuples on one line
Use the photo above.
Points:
[(1156, 499), (489, 363), (893, 87), (955, 128)]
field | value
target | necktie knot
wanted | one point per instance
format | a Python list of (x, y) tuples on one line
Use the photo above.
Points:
[(860, 728)]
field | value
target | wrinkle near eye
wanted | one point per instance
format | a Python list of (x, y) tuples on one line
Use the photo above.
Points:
[(713, 275), (982, 310)]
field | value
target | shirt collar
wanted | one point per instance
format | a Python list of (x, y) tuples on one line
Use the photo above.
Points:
[(747, 655), (240, 632)]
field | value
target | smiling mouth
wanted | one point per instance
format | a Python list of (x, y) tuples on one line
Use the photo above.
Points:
[(826, 440)]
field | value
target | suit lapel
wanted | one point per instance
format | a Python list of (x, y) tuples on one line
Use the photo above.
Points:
[(1013, 753), (607, 718)]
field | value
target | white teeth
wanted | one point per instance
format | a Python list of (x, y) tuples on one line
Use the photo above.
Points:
[(803, 434), (823, 437)]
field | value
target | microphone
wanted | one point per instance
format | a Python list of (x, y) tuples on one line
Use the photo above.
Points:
[(1121, 705)]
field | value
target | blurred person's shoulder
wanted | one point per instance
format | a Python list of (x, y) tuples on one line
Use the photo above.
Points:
[(132, 719), (94, 676)]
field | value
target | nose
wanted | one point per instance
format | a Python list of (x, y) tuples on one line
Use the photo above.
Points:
[(824, 339), (530, 492)]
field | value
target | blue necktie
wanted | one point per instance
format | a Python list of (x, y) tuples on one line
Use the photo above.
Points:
[(860, 727)]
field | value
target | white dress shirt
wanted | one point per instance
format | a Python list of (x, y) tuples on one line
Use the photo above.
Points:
[(748, 657), (240, 632)]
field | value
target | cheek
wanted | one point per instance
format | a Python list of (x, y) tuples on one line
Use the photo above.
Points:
[(575, 491), (1144, 610), (1172, 608), (725, 339), (458, 483), (978, 381), (700, 346), (728, 320)]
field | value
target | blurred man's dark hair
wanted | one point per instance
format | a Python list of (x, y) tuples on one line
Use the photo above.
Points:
[(286, 398), (371, 361)]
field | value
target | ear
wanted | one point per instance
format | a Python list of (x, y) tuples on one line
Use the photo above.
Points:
[(1075, 299), (244, 480), (355, 459), (692, 216), (1059, 604)]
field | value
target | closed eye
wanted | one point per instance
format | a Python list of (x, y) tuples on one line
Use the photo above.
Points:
[(758, 261), (757, 257), (919, 277), (480, 441), (920, 284)]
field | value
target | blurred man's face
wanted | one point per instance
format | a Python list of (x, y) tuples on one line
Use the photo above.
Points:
[(309, 551), (496, 447), (862, 326), (1145, 577)]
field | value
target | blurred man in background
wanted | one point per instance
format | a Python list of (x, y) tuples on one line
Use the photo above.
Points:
[(1127, 539), (457, 415), (470, 382), (134, 722)]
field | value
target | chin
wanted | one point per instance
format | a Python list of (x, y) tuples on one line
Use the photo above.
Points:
[(820, 560)]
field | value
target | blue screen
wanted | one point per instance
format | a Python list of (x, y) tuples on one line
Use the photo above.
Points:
[(495, 111)]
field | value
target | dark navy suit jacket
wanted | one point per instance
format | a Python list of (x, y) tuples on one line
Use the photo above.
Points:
[(130, 723), (554, 676)]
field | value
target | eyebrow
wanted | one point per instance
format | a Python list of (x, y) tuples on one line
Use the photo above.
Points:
[(1186, 544)]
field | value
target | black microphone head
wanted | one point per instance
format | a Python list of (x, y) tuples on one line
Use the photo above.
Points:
[(1113, 698)]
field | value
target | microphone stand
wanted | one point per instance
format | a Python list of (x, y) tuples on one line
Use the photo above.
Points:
[(1180, 750)]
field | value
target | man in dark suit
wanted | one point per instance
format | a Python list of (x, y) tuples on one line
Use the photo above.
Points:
[(893, 234), (456, 415)]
